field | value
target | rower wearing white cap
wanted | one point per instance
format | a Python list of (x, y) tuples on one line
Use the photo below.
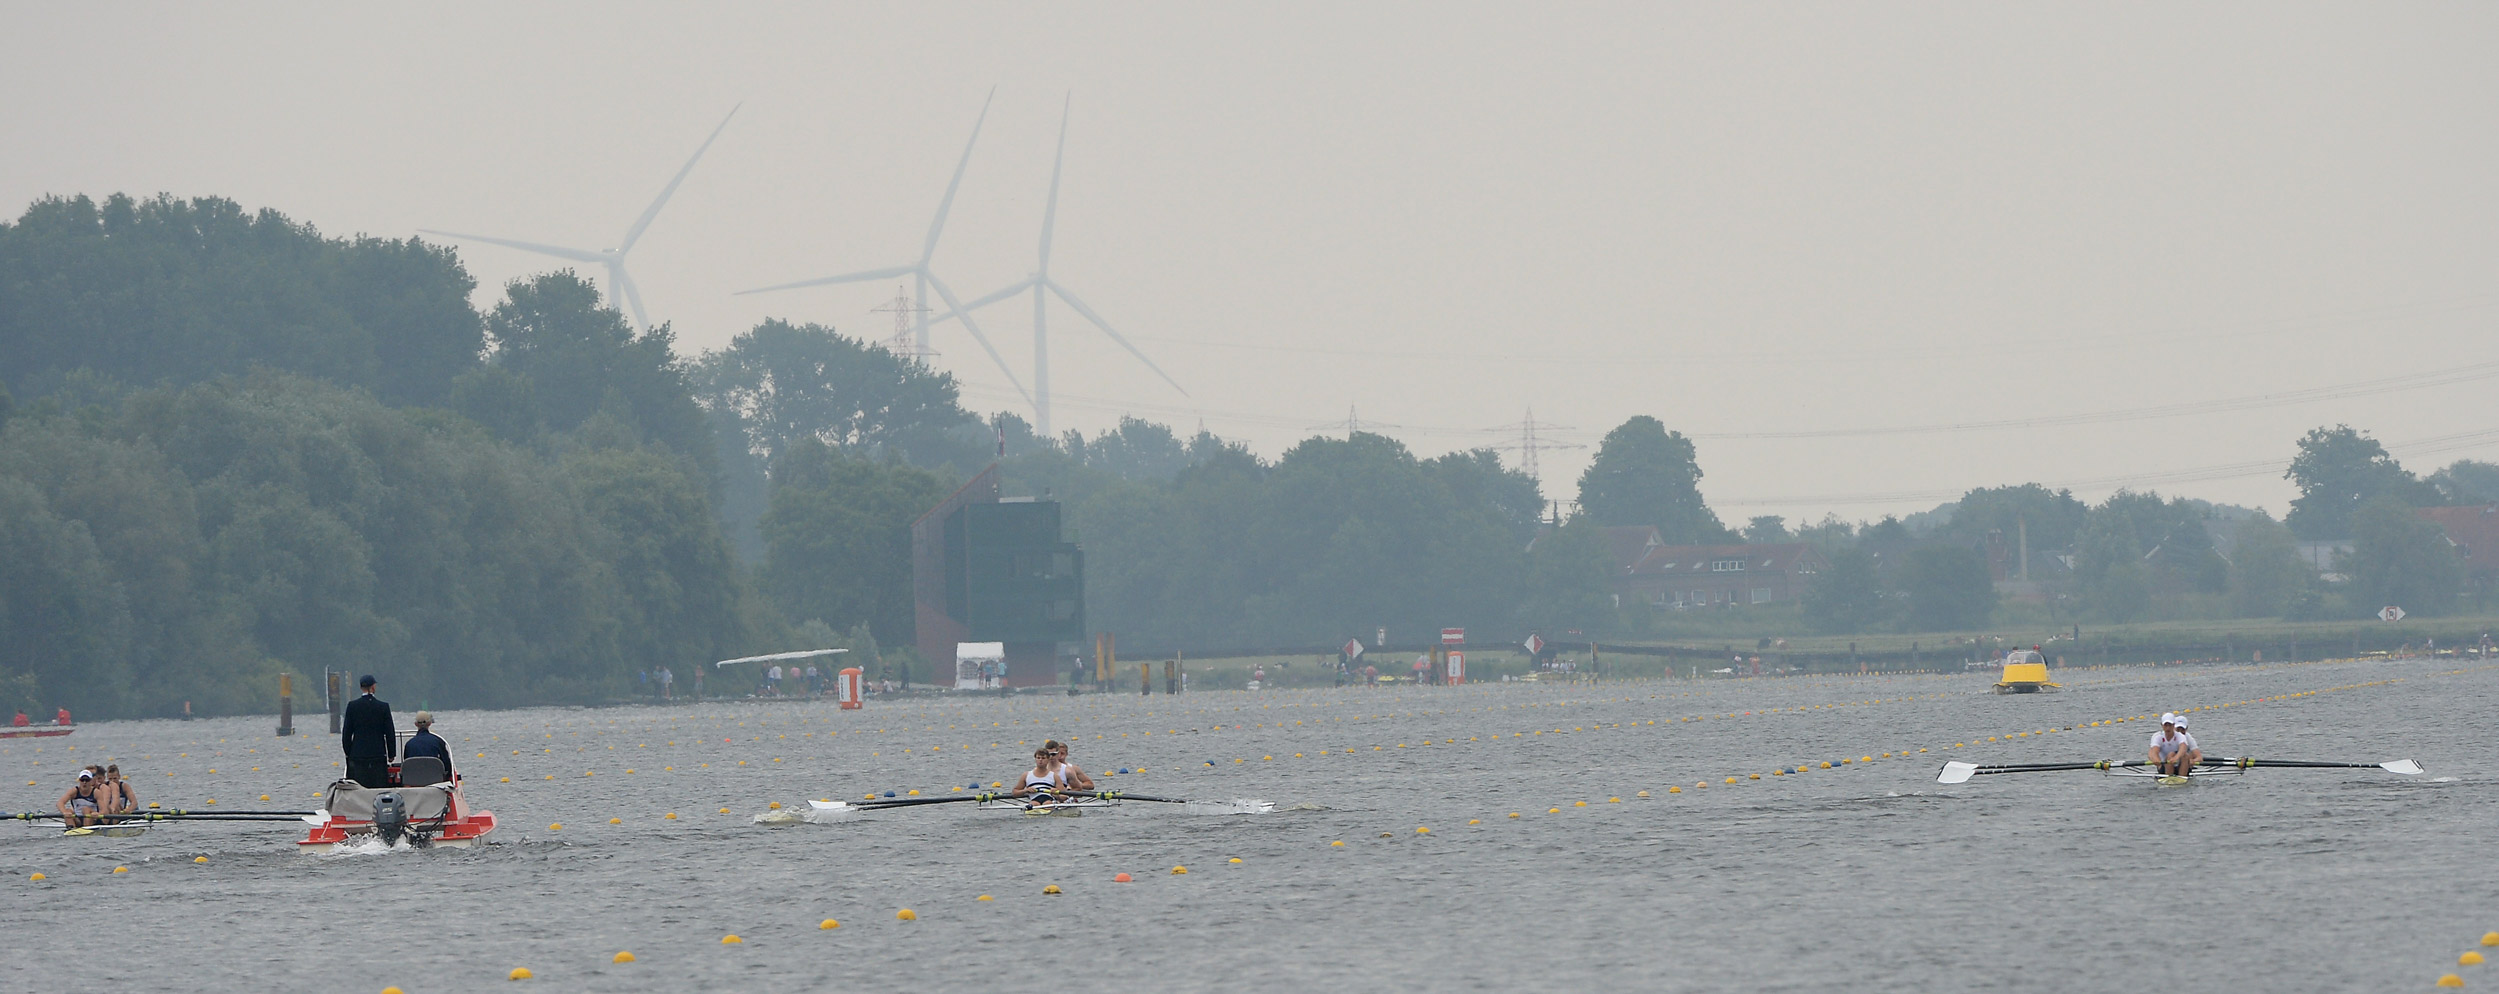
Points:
[(2173, 750)]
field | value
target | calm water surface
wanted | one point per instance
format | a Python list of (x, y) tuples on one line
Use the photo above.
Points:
[(1865, 877)]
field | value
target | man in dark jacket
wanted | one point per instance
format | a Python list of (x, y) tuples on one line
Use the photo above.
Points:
[(426, 743), (370, 739)]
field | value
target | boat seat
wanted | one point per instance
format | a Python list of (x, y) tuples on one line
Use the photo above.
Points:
[(422, 771)]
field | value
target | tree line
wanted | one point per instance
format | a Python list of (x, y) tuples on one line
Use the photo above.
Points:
[(238, 447)]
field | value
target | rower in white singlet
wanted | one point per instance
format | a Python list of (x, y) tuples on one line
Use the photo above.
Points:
[(2174, 751), (1045, 779)]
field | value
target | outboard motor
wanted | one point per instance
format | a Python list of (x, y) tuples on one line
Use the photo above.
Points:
[(390, 819)]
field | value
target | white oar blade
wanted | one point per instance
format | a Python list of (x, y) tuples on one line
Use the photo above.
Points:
[(2403, 766), (317, 818), (825, 812), (1956, 771)]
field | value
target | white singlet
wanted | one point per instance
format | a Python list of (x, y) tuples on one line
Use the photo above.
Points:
[(2171, 745), (1050, 779)]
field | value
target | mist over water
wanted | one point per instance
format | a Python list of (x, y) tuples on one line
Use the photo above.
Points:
[(1868, 876)]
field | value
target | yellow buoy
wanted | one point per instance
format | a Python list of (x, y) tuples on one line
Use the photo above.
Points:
[(38, 878), (906, 915), (1051, 889), (518, 973), (121, 869), (1338, 842), (983, 897), (2470, 958), (621, 957), (672, 816), (1179, 871), (776, 806), (557, 827), (1513, 814), (264, 797), (1644, 793), (615, 821), (2451, 980), (2490, 938), (827, 924), (731, 940)]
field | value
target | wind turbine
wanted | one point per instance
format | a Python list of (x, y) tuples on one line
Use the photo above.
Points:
[(618, 283), (924, 278), (1042, 287)]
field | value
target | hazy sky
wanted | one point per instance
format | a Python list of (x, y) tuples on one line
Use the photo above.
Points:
[(1795, 218)]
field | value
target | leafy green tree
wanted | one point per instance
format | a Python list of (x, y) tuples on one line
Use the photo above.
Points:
[(838, 537), (582, 359), (1569, 579), (1646, 475), (177, 291), (2397, 558), (2052, 518), (1947, 588), (2268, 574), (2337, 470), (780, 382), (68, 623), (2464, 481), (1767, 529), (1848, 597)]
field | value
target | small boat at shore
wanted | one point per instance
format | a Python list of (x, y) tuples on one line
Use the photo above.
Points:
[(427, 810), (35, 732)]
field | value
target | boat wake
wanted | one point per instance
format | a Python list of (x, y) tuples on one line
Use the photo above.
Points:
[(823, 813), (1240, 806), (779, 818), (368, 845)]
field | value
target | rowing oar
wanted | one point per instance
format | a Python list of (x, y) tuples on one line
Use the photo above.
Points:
[(2404, 766), (1121, 795), (1956, 771), (904, 802), (175, 815)]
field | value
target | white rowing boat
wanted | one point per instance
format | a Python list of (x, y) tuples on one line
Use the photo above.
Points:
[(1065, 807)]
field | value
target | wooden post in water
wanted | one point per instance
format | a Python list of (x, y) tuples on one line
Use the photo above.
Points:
[(286, 704), (332, 677), (1145, 679), (1171, 674)]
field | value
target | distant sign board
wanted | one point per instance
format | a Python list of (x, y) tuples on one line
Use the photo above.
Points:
[(1453, 636), (1353, 648), (1457, 668), (2390, 613), (1535, 645)]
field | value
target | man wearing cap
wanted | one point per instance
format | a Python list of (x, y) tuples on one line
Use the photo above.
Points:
[(426, 743), (2174, 751), (369, 737)]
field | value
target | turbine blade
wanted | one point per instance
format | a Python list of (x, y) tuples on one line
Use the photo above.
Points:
[(1115, 336), (938, 224), (558, 251), (635, 233), (988, 299), (1050, 212), (633, 295), (886, 273), (948, 296)]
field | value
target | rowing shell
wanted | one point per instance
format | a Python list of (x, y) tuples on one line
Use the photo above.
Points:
[(1072, 807), (108, 831), (2168, 780)]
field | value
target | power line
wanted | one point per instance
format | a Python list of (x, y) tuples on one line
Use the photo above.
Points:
[(2433, 445), (1529, 443)]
